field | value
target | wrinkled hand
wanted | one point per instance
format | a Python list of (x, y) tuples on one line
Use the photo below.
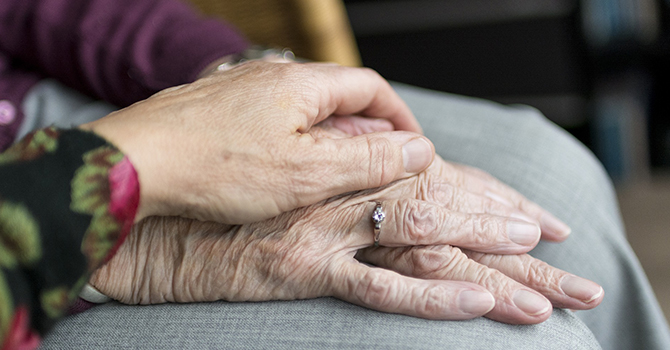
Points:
[(447, 253), (458, 185), (473, 190), (233, 147)]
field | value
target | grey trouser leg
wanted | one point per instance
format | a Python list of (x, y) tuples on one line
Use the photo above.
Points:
[(323, 323), (495, 138)]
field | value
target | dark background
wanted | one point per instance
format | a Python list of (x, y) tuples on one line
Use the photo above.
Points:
[(597, 68)]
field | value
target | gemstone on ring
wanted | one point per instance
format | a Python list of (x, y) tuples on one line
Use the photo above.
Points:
[(378, 215)]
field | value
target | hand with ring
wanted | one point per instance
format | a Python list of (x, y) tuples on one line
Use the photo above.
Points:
[(439, 258), (456, 184)]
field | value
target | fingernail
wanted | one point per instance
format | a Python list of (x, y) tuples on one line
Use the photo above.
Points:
[(523, 233), (417, 155), (581, 289), (476, 302), (530, 303), (550, 223)]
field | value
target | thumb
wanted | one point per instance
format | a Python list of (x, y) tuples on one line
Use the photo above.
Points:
[(371, 160)]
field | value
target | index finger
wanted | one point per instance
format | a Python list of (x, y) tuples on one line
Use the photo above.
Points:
[(360, 91)]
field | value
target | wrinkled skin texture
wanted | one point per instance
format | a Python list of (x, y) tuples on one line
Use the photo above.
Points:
[(442, 238), (233, 147)]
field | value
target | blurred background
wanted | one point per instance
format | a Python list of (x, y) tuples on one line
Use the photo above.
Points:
[(598, 68)]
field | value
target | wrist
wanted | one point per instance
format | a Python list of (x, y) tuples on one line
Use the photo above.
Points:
[(127, 200)]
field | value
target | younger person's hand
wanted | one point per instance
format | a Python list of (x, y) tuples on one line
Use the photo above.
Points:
[(234, 147)]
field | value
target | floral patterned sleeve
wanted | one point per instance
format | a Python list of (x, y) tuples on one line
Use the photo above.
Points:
[(67, 200)]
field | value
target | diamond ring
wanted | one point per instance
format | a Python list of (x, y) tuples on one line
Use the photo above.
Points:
[(378, 217)]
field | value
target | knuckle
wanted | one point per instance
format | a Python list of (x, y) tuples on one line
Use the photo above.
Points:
[(458, 265), (376, 289), (533, 273), (432, 263), (494, 281), (485, 227), (417, 223), (489, 278), (539, 273), (435, 299)]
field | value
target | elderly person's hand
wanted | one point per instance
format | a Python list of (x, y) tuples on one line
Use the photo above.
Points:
[(459, 185), (233, 147), (447, 251)]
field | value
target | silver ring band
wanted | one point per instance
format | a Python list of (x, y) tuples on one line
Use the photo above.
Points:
[(378, 217)]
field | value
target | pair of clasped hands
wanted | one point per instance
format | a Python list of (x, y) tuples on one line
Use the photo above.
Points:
[(281, 166)]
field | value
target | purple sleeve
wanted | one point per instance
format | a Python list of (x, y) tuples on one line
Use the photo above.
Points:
[(118, 50)]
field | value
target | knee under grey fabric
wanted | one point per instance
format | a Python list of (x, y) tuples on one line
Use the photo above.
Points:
[(323, 323), (516, 145)]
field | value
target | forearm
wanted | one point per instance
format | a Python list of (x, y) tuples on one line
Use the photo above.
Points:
[(67, 201), (121, 51)]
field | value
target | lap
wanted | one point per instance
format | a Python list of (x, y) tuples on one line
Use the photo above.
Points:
[(323, 323)]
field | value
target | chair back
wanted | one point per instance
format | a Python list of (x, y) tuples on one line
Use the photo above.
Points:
[(318, 30)]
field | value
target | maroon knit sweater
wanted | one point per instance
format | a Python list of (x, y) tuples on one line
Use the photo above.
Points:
[(121, 51)]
